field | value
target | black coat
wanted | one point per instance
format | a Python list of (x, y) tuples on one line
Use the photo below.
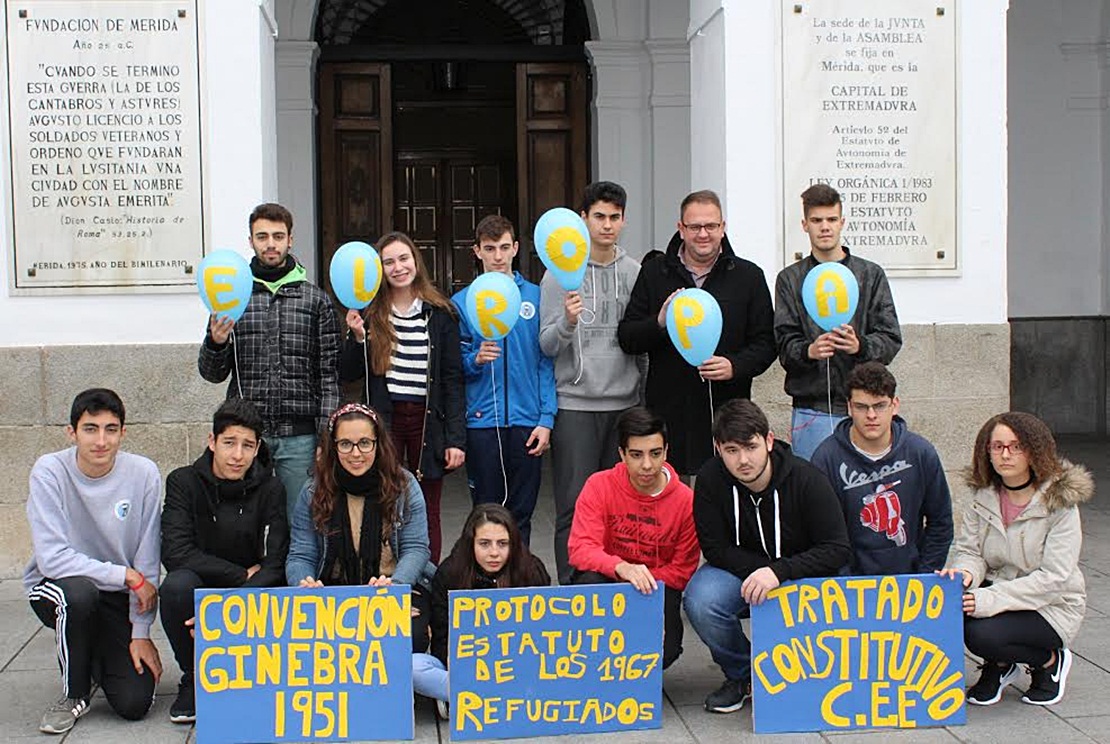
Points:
[(675, 390), (219, 529), (446, 400), (814, 539)]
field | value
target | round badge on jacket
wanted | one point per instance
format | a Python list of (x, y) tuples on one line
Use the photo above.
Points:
[(527, 310)]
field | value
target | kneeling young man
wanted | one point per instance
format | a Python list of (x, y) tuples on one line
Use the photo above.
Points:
[(889, 480), (93, 512), (635, 523), (763, 517), (223, 526)]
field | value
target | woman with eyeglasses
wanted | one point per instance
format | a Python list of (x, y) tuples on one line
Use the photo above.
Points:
[(361, 520), (489, 554), (1017, 554), (415, 370)]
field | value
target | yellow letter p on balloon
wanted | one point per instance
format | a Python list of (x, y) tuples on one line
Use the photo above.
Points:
[(687, 314)]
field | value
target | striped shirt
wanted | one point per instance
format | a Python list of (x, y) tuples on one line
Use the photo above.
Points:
[(407, 378)]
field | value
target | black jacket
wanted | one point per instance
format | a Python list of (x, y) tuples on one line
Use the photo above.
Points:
[(674, 389), (219, 529), (446, 401), (814, 540), (875, 323), (440, 602)]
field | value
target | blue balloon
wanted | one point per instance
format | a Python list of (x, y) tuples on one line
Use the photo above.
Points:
[(830, 294), (224, 281), (694, 324), (356, 274), (493, 305), (563, 243)]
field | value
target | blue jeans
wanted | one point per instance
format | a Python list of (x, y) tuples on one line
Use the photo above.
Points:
[(808, 428), (714, 606), (429, 677), (485, 458), (293, 459)]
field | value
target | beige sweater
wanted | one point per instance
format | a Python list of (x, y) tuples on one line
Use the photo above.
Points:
[(1034, 563)]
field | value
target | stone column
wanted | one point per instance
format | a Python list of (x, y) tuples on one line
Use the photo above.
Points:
[(621, 136), (296, 144), (670, 133)]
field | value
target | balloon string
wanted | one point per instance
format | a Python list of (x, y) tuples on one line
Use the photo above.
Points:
[(366, 364), (497, 432), (711, 412), (235, 361), (828, 389), (581, 364)]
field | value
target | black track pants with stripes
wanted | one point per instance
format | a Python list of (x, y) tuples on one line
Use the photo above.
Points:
[(93, 632)]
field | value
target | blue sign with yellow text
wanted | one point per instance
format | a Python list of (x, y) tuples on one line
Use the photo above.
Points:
[(293, 664), (555, 660), (859, 652)]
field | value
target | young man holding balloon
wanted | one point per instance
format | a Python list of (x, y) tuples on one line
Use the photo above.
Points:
[(510, 383), (281, 349), (582, 299), (833, 310), (688, 379)]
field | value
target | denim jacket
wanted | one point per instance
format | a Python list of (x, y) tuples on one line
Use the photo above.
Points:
[(408, 539)]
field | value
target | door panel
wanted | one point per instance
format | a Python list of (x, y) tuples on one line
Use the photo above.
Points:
[(356, 156), (551, 145)]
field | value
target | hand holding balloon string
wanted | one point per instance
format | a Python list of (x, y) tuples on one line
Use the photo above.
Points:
[(842, 338)]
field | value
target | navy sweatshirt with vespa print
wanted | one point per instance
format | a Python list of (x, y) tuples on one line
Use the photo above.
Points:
[(898, 509)]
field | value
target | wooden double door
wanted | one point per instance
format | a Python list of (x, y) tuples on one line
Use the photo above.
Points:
[(433, 165)]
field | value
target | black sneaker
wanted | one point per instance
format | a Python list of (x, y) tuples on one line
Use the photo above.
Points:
[(993, 679), (1048, 682), (729, 697), (184, 708)]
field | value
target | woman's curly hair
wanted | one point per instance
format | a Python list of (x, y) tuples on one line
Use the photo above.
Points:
[(1036, 442)]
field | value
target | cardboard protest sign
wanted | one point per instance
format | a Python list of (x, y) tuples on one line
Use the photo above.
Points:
[(859, 652), (555, 660), (294, 664)]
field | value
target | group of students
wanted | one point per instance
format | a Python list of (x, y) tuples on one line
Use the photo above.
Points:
[(568, 376)]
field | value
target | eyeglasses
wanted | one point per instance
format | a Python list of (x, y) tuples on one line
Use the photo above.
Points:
[(997, 448), (865, 408), (365, 445), (709, 227)]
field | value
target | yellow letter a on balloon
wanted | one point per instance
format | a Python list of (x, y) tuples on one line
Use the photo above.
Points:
[(832, 294)]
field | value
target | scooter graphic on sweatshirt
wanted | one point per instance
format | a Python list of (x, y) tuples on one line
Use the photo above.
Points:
[(882, 512)]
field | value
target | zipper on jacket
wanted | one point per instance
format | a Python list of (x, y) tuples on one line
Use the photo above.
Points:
[(427, 398), (505, 383)]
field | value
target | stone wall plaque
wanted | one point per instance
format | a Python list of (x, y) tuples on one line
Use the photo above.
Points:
[(106, 182), (869, 106)]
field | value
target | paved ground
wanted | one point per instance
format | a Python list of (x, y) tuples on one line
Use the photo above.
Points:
[(29, 678)]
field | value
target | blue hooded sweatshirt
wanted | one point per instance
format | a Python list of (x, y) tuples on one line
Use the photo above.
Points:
[(898, 509), (520, 389)]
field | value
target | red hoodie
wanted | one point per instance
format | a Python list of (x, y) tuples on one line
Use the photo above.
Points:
[(614, 522)]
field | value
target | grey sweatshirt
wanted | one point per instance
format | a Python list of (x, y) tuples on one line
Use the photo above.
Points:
[(96, 527), (591, 371)]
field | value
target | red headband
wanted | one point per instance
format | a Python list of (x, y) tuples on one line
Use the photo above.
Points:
[(346, 408)]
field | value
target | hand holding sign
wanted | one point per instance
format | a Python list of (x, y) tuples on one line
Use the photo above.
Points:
[(830, 294), (356, 274), (563, 243), (493, 305), (694, 324), (224, 281)]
